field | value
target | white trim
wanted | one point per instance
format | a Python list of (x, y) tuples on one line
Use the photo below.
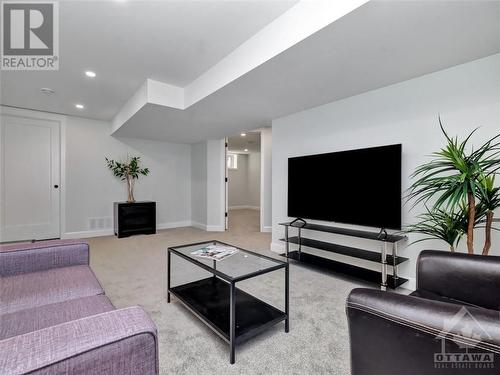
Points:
[(175, 224), (256, 208), (215, 228), (88, 234), (62, 176), (222, 192), (110, 232), (208, 228), (197, 225), (267, 229)]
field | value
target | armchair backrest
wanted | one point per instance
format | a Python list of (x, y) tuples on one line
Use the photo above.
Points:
[(474, 279)]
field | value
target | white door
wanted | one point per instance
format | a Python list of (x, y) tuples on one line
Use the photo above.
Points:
[(29, 178)]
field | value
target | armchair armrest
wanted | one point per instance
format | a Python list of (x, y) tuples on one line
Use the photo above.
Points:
[(398, 334), (40, 256), (473, 279), (116, 342)]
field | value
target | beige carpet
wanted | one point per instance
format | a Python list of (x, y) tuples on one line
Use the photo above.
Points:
[(133, 272)]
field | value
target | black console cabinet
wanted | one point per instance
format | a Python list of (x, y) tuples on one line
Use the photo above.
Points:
[(134, 218)]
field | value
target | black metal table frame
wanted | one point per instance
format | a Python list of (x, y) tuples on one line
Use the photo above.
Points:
[(232, 287)]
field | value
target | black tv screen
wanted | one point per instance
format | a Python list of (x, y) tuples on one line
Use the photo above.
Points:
[(361, 187)]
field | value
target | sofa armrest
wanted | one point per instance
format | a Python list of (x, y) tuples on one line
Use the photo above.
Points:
[(40, 256), (474, 279), (115, 342), (398, 334)]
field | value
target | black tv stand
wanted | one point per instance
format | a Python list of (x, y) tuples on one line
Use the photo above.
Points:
[(384, 258)]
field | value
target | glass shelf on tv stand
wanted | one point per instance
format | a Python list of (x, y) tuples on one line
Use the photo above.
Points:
[(385, 259)]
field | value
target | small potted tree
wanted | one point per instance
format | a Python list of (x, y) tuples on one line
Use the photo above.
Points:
[(132, 217), (129, 171)]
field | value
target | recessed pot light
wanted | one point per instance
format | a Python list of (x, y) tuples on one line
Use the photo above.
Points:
[(243, 134), (246, 150), (47, 91), (90, 74), (79, 106)]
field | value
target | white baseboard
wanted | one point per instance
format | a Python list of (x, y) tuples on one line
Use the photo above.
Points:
[(215, 228), (208, 228), (110, 232), (199, 225), (88, 234), (256, 208), (267, 229), (177, 224)]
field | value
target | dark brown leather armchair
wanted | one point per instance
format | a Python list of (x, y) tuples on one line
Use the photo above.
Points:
[(449, 325)]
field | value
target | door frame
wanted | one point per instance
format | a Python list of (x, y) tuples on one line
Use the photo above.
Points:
[(47, 116), (262, 228), (226, 187)]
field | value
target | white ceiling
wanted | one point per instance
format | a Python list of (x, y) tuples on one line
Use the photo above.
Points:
[(378, 44), (126, 42), (250, 142)]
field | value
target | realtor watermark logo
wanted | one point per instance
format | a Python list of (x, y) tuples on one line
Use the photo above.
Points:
[(30, 35), (468, 335)]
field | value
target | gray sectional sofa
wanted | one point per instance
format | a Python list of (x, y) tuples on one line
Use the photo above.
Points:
[(56, 319)]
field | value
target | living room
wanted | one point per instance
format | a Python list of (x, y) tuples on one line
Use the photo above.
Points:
[(369, 244)]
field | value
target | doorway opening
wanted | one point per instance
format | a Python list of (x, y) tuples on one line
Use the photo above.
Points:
[(243, 172)]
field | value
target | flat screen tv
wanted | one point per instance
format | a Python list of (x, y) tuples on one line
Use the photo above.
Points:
[(361, 187)]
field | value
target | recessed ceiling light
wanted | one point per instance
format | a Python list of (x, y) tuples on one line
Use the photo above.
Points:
[(246, 150), (79, 106), (47, 91), (90, 74), (243, 134)]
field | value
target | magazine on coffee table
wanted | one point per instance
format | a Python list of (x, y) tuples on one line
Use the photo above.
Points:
[(215, 252)]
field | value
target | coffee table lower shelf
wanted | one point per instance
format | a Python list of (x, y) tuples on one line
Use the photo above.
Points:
[(209, 300)]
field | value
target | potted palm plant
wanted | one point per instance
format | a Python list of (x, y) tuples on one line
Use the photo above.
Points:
[(128, 171), (488, 203), (460, 183), (441, 225)]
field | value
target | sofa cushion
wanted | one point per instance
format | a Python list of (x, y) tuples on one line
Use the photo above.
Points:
[(24, 321), (34, 289)]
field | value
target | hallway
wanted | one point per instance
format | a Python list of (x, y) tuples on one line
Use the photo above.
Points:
[(243, 221)]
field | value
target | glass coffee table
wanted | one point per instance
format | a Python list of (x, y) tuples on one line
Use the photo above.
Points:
[(230, 312)]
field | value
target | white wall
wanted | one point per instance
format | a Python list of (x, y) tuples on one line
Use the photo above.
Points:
[(266, 180), (91, 189), (244, 182), (207, 189), (199, 184), (182, 178), (466, 96), (216, 201), (254, 179)]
